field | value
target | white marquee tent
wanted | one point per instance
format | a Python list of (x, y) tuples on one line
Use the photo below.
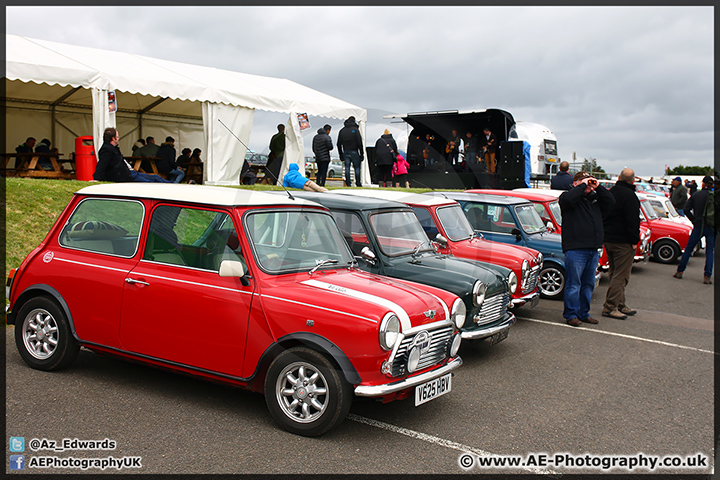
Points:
[(60, 92)]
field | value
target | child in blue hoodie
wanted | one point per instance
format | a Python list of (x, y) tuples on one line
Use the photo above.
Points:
[(293, 179)]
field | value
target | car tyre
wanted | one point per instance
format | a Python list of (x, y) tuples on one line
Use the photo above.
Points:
[(665, 251), (305, 393), (43, 336), (331, 173), (551, 281)]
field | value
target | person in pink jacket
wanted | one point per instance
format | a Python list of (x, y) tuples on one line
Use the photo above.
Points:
[(400, 172)]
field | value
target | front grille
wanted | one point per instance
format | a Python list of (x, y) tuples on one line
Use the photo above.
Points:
[(532, 279), (493, 308), (437, 351)]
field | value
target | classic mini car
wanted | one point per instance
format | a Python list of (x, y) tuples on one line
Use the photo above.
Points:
[(390, 241), (668, 238), (550, 213), (446, 225), (245, 288), (515, 221), (665, 209)]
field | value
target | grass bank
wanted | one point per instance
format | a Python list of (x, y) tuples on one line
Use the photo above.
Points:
[(33, 205)]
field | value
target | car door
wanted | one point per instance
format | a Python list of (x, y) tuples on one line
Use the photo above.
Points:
[(175, 306)]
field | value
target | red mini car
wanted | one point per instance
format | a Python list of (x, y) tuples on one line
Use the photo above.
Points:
[(446, 224), (668, 238), (246, 288)]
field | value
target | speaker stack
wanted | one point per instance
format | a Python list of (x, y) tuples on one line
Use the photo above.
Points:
[(511, 166)]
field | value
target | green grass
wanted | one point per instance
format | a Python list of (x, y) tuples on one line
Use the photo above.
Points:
[(33, 205)]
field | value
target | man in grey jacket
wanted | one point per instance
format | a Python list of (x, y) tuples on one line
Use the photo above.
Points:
[(679, 195)]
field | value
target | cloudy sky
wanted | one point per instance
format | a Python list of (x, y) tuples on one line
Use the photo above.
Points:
[(629, 86)]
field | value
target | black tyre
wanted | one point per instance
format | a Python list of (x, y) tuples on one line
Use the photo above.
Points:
[(42, 335), (551, 281), (666, 251), (305, 393), (331, 173)]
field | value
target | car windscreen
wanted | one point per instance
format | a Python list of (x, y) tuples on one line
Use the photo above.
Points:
[(648, 210), (554, 208), (455, 223), (671, 209), (399, 232), (529, 219), (296, 240)]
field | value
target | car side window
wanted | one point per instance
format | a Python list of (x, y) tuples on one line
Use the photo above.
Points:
[(426, 221), (192, 237), (110, 226), (352, 230)]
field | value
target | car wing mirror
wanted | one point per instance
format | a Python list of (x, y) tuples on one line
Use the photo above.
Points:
[(442, 241), (368, 255), (549, 226), (233, 268), (516, 232)]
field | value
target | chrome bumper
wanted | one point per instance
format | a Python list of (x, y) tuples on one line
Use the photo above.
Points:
[(487, 332), (388, 388), (519, 302)]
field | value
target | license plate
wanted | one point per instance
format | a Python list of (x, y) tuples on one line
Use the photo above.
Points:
[(499, 337), (433, 389), (535, 301)]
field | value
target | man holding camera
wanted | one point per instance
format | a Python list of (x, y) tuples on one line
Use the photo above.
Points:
[(583, 208)]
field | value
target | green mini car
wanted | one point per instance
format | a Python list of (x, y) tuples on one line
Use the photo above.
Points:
[(389, 240)]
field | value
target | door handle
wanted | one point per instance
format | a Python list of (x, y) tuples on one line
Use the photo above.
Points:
[(132, 280)]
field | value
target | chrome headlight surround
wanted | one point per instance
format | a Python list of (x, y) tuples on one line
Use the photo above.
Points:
[(478, 293), (512, 282), (459, 313), (540, 259), (389, 331), (413, 359), (455, 345)]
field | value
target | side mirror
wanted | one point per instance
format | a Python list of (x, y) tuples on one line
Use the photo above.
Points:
[(368, 255), (516, 232), (442, 241), (549, 226), (233, 268)]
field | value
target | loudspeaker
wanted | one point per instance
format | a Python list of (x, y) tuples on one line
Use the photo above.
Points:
[(511, 166)]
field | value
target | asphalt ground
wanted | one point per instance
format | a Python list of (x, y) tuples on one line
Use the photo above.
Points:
[(642, 387)]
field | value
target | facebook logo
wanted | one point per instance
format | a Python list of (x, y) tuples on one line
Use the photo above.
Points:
[(17, 462), (17, 444)]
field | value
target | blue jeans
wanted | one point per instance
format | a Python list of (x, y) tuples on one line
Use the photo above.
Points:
[(146, 177), (354, 158), (580, 268), (695, 236), (176, 174)]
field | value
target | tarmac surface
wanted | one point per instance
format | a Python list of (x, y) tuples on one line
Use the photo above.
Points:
[(634, 389)]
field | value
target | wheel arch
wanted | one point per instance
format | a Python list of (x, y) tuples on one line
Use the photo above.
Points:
[(41, 289), (305, 339)]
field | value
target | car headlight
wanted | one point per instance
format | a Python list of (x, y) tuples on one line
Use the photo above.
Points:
[(459, 311), (455, 345), (413, 359), (389, 331), (512, 282), (479, 290), (600, 250), (540, 259)]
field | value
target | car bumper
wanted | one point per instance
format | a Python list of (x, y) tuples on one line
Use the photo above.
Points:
[(487, 332), (598, 276), (532, 299), (409, 382)]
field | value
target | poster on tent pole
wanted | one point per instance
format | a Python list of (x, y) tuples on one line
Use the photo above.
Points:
[(112, 102), (303, 120)]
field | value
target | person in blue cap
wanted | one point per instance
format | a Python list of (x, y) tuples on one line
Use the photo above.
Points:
[(293, 179)]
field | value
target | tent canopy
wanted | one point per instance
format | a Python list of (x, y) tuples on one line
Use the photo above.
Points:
[(64, 80)]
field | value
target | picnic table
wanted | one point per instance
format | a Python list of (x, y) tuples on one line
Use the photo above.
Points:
[(27, 165), (136, 163)]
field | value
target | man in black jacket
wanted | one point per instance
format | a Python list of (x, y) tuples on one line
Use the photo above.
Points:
[(112, 166), (583, 208), (321, 146), (350, 148), (562, 180), (622, 234), (702, 227), (166, 161)]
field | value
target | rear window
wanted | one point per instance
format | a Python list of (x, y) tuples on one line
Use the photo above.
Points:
[(102, 225)]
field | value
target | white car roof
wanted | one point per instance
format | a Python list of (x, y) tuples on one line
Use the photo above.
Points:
[(403, 197), (202, 194), (544, 191)]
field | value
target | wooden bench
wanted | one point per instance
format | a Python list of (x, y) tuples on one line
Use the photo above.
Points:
[(136, 163), (27, 165)]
